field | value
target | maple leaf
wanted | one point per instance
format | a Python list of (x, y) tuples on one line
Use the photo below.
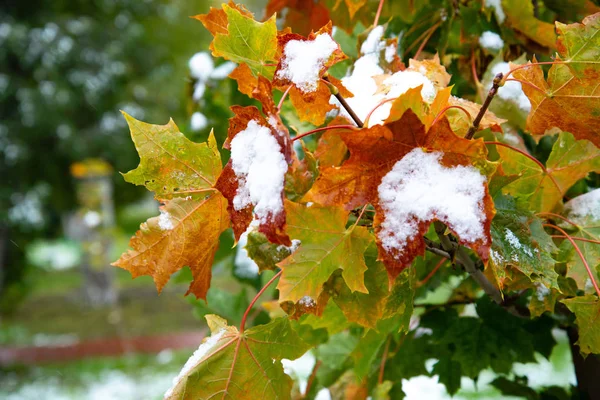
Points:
[(247, 82), (240, 365), (519, 240), (570, 98), (253, 179), (182, 175), (331, 149), (587, 318), (300, 15), (520, 16), (326, 245), (545, 186), (374, 152), (584, 212), (241, 39)]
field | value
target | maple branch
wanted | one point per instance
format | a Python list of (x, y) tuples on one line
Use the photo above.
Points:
[(283, 96), (463, 258), (583, 260), (376, 21), (383, 360), (493, 90), (336, 92), (325, 128), (255, 299)]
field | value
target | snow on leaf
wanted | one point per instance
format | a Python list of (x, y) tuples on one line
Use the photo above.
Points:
[(569, 161), (375, 151), (254, 177), (587, 318), (235, 365), (242, 39), (418, 190), (303, 60), (520, 242), (182, 175), (326, 246)]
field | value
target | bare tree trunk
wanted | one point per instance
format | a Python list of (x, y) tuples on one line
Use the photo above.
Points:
[(587, 370)]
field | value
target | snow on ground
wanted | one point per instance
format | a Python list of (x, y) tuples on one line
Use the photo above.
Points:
[(303, 60), (419, 188), (491, 41), (260, 168), (498, 10), (365, 90), (198, 121), (587, 204)]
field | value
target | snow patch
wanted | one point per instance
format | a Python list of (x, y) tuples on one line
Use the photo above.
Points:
[(419, 188), (260, 168), (223, 70), (303, 60), (585, 205), (245, 267), (300, 369), (541, 291), (511, 91), (196, 358), (498, 10), (198, 121), (307, 302), (92, 219), (491, 41), (201, 66), (295, 244), (363, 86), (164, 221)]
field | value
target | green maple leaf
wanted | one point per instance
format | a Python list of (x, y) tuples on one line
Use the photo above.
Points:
[(182, 175), (170, 164), (264, 253), (248, 41), (519, 241), (449, 372), (587, 227), (365, 309), (569, 161), (587, 318), (240, 365), (326, 245)]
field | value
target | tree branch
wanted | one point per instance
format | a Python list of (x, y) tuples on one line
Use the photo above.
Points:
[(484, 107), (336, 92)]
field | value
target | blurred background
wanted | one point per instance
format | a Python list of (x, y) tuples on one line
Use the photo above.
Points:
[(72, 326)]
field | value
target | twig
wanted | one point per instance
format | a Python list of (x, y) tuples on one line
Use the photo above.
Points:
[(311, 378), (336, 92), (255, 299), (493, 90), (432, 273), (376, 21), (383, 360), (283, 96)]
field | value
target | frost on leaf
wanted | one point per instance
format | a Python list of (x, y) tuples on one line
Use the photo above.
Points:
[(182, 175), (235, 365), (326, 245), (519, 242), (254, 177), (418, 190)]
